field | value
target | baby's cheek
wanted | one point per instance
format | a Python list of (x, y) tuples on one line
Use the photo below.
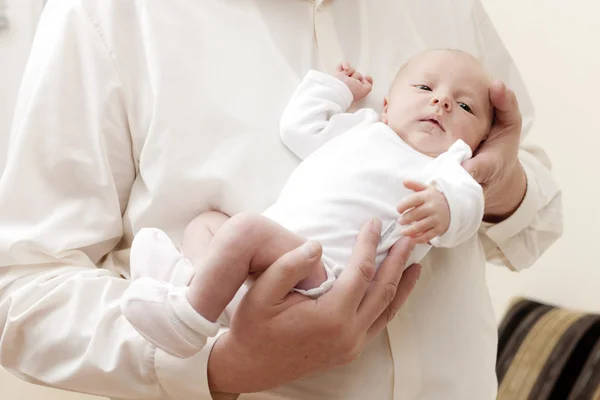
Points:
[(483, 132), (405, 116)]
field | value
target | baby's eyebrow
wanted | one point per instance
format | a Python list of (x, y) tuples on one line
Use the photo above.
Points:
[(482, 99), (429, 76), (468, 92)]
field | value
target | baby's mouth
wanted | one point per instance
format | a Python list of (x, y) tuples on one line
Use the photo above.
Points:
[(434, 122)]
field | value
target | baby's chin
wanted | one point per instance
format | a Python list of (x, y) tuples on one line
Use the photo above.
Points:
[(424, 142)]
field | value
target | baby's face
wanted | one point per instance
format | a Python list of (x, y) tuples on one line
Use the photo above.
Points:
[(439, 97)]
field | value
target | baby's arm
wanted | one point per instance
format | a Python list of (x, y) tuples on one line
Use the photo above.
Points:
[(316, 111), (426, 212), (445, 212)]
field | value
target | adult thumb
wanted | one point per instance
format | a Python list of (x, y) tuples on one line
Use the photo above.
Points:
[(285, 273), (480, 167)]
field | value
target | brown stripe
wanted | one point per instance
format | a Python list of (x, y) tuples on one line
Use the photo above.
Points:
[(515, 340), (534, 352), (587, 386), (597, 394), (562, 352), (517, 310)]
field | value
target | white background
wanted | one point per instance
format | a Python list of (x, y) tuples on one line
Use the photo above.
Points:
[(556, 46)]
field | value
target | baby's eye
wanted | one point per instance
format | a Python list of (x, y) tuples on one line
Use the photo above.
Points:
[(465, 107), (424, 87)]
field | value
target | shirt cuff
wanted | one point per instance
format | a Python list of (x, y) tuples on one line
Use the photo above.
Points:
[(520, 219), (187, 379), (334, 83), (514, 253)]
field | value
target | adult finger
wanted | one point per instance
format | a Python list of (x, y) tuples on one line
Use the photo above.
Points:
[(352, 284), (283, 275), (384, 287), (506, 106), (406, 285), (483, 166)]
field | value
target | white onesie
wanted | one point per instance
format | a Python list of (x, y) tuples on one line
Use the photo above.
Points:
[(353, 170)]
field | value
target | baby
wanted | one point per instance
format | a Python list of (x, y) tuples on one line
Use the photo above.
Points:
[(402, 166)]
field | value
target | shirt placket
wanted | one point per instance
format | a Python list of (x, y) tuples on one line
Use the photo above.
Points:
[(328, 44), (331, 54)]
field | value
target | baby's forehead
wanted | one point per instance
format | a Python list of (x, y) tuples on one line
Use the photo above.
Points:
[(449, 61), (454, 67), (452, 63)]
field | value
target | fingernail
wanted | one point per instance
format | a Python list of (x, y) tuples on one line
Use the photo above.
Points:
[(376, 224), (311, 248)]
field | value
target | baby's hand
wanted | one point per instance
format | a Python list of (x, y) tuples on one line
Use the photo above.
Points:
[(359, 85), (427, 210)]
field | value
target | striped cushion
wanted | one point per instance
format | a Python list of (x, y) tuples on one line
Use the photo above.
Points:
[(547, 352)]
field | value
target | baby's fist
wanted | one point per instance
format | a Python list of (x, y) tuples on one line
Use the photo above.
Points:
[(359, 85), (426, 211)]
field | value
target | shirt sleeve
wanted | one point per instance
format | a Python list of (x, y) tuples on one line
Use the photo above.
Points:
[(521, 239), (316, 114), (66, 184)]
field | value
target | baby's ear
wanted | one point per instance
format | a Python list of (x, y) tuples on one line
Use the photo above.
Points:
[(384, 112)]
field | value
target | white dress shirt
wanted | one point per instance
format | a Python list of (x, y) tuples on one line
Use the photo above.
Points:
[(146, 113)]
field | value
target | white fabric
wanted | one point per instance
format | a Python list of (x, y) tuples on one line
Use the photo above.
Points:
[(146, 113), (156, 301), (353, 170), (332, 271), (153, 255), (161, 313)]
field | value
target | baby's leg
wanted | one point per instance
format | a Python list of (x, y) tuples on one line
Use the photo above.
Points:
[(199, 233), (245, 244)]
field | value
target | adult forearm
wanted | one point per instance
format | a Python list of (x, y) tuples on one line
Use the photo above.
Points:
[(499, 208), (76, 338)]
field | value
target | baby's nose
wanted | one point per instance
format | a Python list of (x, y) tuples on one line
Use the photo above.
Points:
[(442, 101)]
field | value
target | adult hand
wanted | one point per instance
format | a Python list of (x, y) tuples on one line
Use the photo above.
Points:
[(277, 336), (496, 164)]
